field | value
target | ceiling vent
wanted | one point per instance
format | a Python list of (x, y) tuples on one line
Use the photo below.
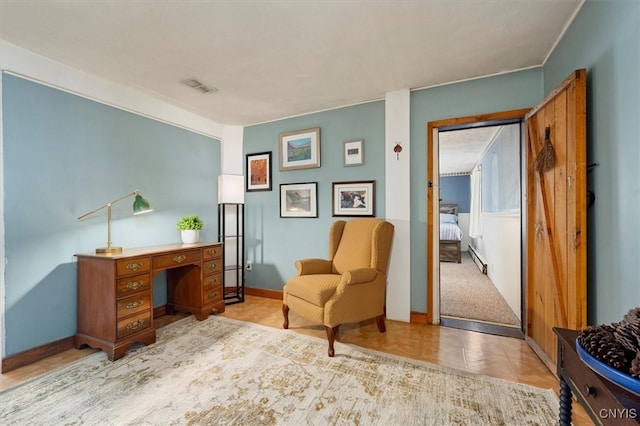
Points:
[(199, 86)]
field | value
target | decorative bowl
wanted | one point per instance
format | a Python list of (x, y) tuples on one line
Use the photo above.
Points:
[(615, 376)]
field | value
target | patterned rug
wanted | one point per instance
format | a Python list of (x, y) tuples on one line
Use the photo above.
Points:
[(227, 372)]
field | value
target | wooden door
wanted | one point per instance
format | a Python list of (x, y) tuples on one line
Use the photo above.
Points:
[(556, 221)]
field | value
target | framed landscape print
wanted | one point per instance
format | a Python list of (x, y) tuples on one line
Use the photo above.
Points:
[(259, 171), (299, 199), (354, 153), (354, 198), (299, 149)]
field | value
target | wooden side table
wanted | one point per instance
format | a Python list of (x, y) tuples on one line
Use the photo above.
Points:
[(605, 402)]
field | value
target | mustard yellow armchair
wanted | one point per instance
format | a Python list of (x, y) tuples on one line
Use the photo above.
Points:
[(347, 287)]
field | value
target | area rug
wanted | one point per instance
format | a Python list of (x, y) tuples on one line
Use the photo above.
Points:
[(228, 372), (465, 292)]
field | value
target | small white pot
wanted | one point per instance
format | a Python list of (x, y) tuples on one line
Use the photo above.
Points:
[(190, 236)]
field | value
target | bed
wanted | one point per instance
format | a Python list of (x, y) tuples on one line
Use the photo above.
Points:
[(450, 234)]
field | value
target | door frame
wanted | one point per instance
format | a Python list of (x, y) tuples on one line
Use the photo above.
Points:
[(433, 190)]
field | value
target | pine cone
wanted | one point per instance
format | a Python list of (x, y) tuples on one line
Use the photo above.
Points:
[(634, 371), (600, 342), (625, 335), (632, 315), (632, 318)]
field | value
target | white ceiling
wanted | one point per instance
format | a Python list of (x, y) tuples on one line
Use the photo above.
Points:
[(460, 150), (275, 59)]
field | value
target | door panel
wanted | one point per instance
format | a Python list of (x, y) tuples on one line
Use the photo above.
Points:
[(556, 216)]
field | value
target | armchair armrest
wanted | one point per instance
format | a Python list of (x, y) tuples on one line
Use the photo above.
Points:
[(358, 276), (313, 266)]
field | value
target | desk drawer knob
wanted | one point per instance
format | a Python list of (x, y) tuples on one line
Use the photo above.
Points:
[(589, 390), (134, 285), (213, 280), (212, 252), (179, 258), (135, 325), (135, 304), (134, 266), (212, 295), (213, 266)]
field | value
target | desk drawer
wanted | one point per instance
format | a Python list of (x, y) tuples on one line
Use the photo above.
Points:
[(176, 259), (212, 252), (212, 295), (133, 305), (133, 266), (589, 384), (130, 285), (210, 281), (211, 266), (131, 325)]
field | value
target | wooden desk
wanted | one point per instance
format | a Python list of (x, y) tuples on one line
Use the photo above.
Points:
[(606, 403), (115, 292)]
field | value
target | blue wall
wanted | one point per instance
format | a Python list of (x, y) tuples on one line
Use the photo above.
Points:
[(65, 155), (456, 189), (274, 243), (605, 39)]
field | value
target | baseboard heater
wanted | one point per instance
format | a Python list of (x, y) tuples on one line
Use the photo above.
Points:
[(478, 260)]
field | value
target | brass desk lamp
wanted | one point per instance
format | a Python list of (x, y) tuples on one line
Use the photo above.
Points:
[(140, 205)]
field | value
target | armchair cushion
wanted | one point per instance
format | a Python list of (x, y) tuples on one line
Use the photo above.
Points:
[(315, 289)]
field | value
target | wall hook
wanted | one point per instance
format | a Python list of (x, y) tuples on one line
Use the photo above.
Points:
[(397, 149)]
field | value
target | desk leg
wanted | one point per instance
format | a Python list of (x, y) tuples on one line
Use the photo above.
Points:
[(565, 403)]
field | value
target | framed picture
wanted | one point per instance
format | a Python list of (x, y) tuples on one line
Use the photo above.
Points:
[(354, 153), (300, 149), (299, 199), (259, 171), (354, 198)]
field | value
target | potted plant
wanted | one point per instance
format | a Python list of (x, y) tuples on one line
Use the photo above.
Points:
[(189, 227)]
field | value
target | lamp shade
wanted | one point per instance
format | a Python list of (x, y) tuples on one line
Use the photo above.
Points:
[(140, 205), (230, 189)]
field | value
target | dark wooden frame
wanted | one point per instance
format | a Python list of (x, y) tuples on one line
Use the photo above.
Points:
[(253, 157), (337, 210), (312, 187), (450, 249)]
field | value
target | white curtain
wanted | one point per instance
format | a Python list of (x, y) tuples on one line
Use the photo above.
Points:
[(475, 210)]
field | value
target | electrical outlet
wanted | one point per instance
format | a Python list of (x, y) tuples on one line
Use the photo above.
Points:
[(249, 265)]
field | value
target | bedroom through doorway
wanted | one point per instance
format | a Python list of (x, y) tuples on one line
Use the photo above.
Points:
[(480, 227)]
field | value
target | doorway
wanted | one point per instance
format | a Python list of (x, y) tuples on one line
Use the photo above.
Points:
[(437, 245), (555, 218), (480, 227)]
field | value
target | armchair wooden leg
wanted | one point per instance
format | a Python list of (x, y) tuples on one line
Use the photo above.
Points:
[(380, 321), (331, 336), (285, 312)]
